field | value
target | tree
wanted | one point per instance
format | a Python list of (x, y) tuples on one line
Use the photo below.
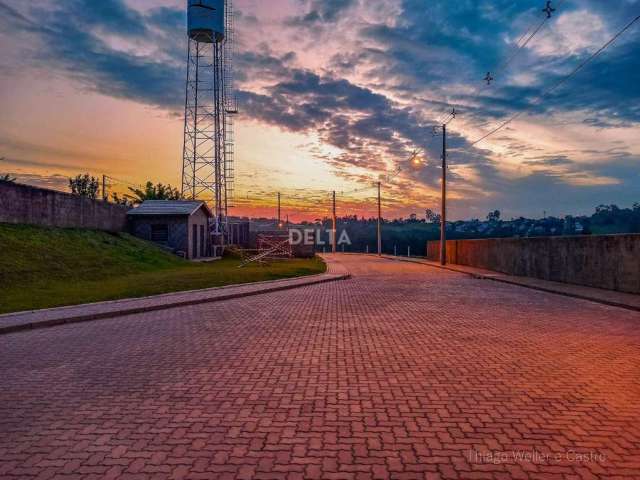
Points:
[(85, 186), (494, 216), (124, 201), (606, 214), (154, 192), (432, 217), (7, 178)]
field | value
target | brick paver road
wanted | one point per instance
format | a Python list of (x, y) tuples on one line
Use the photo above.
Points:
[(402, 372)]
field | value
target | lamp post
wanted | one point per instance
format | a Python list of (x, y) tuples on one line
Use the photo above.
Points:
[(443, 221), (443, 198)]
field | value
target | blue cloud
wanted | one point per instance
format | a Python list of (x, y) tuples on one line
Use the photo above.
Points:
[(433, 47)]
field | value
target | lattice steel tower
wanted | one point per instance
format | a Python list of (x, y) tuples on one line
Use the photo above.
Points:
[(207, 168)]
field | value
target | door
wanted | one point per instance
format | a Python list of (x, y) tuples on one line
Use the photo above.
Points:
[(194, 239), (203, 253)]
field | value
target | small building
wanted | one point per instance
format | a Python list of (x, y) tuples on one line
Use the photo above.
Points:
[(179, 226), (238, 233)]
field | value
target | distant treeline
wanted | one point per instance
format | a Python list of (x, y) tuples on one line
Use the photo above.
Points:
[(400, 234)]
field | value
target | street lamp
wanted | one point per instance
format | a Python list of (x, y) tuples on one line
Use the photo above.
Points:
[(415, 160)]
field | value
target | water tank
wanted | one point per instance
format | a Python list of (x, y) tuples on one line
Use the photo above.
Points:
[(206, 20)]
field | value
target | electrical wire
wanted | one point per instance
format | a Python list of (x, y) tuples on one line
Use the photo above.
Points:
[(124, 182), (561, 82), (518, 48)]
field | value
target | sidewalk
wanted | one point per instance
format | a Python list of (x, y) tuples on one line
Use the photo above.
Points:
[(29, 320), (607, 297)]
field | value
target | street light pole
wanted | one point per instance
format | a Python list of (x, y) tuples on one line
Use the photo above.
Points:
[(105, 195), (279, 212), (335, 225), (443, 215)]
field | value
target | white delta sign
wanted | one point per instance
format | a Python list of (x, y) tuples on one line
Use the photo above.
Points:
[(309, 236)]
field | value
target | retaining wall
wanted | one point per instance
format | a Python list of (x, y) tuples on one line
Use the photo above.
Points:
[(611, 262), (38, 206)]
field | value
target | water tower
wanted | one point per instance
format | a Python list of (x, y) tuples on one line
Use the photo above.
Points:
[(207, 168)]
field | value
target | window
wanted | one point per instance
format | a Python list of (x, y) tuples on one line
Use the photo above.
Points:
[(160, 233)]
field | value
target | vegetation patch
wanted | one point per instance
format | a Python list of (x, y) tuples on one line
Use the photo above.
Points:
[(50, 267)]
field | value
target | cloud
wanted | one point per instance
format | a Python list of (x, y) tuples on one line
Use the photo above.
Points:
[(574, 33), (71, 38), (321, 12), (371, 85), (53, 182)]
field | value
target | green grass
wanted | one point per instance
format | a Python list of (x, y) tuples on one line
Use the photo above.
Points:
[(42, 268)]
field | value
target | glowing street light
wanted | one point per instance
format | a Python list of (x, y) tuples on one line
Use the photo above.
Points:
[(416, 161)]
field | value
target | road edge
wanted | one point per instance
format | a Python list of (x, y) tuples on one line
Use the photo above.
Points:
[(506, 280), (270, 288)]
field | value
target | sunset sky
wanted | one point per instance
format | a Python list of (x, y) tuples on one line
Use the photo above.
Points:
[(333, 95)]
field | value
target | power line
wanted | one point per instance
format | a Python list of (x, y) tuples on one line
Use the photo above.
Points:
[(124, 182), (517, 49), (561, 82)]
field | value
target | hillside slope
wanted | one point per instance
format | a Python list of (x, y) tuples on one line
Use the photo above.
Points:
[(47, 267)]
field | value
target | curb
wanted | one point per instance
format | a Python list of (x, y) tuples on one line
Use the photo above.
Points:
[(601, 301), (480, 276), (313, 280)]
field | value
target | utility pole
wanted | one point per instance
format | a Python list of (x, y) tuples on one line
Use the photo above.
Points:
[(279, 213), (379, 219), (105, 196), (443, 220), (335, 225)]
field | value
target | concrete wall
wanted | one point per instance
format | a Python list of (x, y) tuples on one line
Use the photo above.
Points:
[(178, 240), (611, 262), (49, 208), (180, 230), (200, 220)]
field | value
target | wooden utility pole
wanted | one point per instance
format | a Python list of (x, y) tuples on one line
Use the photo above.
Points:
[(379, 219), (105, 196), (443, 220), (334, 232), (279, 212)]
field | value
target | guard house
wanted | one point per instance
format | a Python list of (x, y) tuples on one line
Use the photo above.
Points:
[(180, 226)]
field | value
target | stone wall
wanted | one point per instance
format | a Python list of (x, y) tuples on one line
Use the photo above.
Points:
[(38, 206), (610, 262)]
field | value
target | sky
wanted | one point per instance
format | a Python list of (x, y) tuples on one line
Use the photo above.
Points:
[(336, 95)]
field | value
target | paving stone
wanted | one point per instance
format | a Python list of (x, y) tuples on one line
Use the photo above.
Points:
[(402, 372)]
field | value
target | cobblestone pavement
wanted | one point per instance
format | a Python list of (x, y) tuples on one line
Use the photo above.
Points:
[(402, 372)]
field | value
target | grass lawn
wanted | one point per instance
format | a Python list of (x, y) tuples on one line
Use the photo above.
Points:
[(42, 268)]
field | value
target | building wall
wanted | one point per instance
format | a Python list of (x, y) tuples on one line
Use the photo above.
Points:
[(178, 233), (239, 234), (610, 262), (199, 219), (180, 229), (38, 206)]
